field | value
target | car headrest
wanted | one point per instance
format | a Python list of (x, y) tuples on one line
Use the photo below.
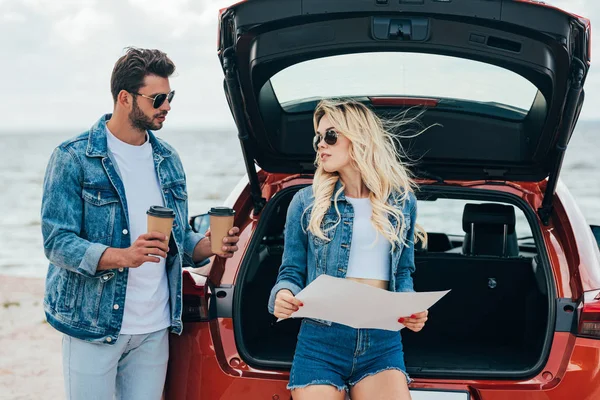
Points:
[(489, 215), (490, 230), (436, 242)]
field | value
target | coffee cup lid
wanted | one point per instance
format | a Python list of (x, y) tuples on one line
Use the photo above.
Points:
[(221, 211), (161, 212)]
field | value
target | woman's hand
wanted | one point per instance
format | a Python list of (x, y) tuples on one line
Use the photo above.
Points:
[(286, 304), (415, 322)]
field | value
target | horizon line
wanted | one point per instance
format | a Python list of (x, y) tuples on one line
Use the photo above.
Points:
[(181, 128)]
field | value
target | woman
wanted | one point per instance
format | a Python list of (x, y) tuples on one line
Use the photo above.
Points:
[(356, 221)]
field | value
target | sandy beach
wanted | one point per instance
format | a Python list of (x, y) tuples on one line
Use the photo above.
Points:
[(30, 349)]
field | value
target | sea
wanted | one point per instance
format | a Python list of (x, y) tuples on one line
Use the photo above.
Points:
[(214, 166)]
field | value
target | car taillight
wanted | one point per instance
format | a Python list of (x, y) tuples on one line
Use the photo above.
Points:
[(589, 317)]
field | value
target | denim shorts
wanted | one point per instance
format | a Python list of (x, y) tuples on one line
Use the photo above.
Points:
[(341, 356)]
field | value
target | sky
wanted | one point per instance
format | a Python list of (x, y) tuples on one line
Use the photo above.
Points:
[(57, 57)]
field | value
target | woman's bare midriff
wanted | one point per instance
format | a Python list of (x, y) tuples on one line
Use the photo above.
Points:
[(372, 282)]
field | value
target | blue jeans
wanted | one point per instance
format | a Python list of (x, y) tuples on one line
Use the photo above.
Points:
[(342, 356), (133, 368)]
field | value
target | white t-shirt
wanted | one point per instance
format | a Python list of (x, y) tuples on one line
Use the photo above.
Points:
[(147, 297), (370, 256)]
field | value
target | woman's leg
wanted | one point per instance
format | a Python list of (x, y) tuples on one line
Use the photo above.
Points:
[(322, 360), (385, 385), (380, 372), (318, 392)]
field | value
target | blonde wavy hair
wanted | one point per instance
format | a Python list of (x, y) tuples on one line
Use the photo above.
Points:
[(376, 154)]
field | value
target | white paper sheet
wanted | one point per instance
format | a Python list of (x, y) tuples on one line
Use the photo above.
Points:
[(361, 306)]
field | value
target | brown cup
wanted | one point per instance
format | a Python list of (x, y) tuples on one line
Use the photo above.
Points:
[(221, 221), (160, 219)]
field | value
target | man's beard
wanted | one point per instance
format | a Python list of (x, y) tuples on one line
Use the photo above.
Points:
[(141, 121)]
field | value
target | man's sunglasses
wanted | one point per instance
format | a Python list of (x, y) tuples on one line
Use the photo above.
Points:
[(330, 138), (159, 99)]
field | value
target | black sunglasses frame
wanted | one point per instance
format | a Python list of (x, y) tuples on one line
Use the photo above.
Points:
[(159, 99), (330, 138)]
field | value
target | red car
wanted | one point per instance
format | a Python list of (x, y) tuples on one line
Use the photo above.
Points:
[(501, 86)]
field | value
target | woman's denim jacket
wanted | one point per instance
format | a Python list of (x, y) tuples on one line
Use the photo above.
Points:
[(306, 256), (83, 213)]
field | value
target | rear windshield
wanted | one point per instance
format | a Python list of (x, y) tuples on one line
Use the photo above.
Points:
[(446, 215), (404, 75)]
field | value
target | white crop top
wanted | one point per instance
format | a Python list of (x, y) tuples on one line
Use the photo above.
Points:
[(370, 256)]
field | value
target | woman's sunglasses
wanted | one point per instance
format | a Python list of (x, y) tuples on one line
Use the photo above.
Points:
[(330, 138), (159, 99)]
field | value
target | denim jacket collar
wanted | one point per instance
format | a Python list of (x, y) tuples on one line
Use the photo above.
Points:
[(97, 146), (394, 199), (338, 186)]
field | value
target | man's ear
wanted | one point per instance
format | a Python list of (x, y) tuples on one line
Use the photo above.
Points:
[(125, 99)]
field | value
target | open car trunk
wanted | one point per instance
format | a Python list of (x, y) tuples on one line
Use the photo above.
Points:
[(514, 71), (502, 81), (494, 323)]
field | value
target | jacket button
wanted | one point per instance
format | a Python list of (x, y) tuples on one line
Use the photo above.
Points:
[(109, 339), (121, 269), (116, 306), (125, 231)]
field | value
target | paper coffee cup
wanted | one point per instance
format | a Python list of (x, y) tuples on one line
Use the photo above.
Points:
[(221, 221), (160, 219)]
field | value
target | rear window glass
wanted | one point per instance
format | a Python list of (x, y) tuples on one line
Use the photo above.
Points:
[(446, 216), (403, 74)]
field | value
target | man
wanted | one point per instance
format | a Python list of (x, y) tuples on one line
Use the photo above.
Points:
[(113, 289)]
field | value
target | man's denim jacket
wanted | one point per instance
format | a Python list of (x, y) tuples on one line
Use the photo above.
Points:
[(84, 211), (306, 256)]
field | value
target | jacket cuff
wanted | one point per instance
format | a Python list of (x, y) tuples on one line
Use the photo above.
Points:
[(202, 263), (89, 263), (292, 287), (191, 241)]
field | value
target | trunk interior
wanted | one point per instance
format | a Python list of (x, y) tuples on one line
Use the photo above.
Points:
[(493, 323)]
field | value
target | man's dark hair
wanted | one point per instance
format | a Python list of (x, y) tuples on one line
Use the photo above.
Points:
[(131, 69)]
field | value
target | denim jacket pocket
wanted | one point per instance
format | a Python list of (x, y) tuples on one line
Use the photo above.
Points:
[(328, 226), (71, 292), (87, 299), (100, 207), (99, 196), (96, 299)]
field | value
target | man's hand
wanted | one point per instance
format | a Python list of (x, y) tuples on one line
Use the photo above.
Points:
[(415, 322), (145, 249), (229, 242), (286, 304)]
